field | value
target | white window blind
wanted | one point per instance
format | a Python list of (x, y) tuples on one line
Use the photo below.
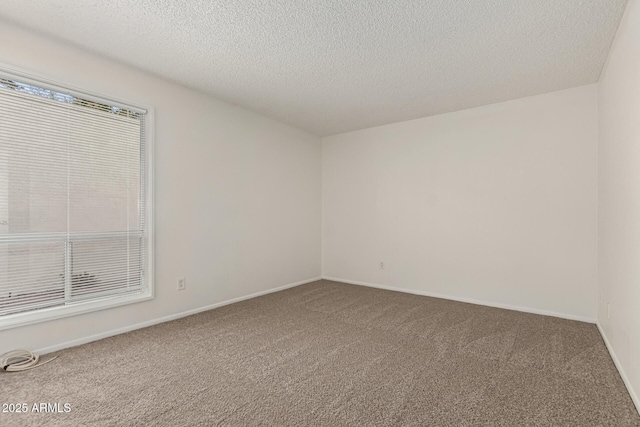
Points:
[(73, 210)]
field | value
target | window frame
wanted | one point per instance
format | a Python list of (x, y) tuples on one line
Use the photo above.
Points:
[(108, 301)]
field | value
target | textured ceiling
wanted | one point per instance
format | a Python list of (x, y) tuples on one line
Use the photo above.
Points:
[(330, 66)]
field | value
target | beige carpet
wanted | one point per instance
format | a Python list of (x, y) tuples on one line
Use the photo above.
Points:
[(331, 354)]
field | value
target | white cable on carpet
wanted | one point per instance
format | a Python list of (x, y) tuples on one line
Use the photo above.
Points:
[(21, 360)]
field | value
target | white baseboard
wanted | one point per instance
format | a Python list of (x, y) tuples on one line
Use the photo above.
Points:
[(625, 379), (96, 337), (467, 300)]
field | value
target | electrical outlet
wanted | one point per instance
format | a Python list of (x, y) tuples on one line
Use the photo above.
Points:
[(381, 265), (181, 284)]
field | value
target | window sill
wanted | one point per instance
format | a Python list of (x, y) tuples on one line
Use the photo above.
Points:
[(22, 319)]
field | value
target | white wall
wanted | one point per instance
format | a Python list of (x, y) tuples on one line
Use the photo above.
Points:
[(496, 204), (619, 201), (237, 195)]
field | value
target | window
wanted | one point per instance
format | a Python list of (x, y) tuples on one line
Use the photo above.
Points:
[(75, 223)]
